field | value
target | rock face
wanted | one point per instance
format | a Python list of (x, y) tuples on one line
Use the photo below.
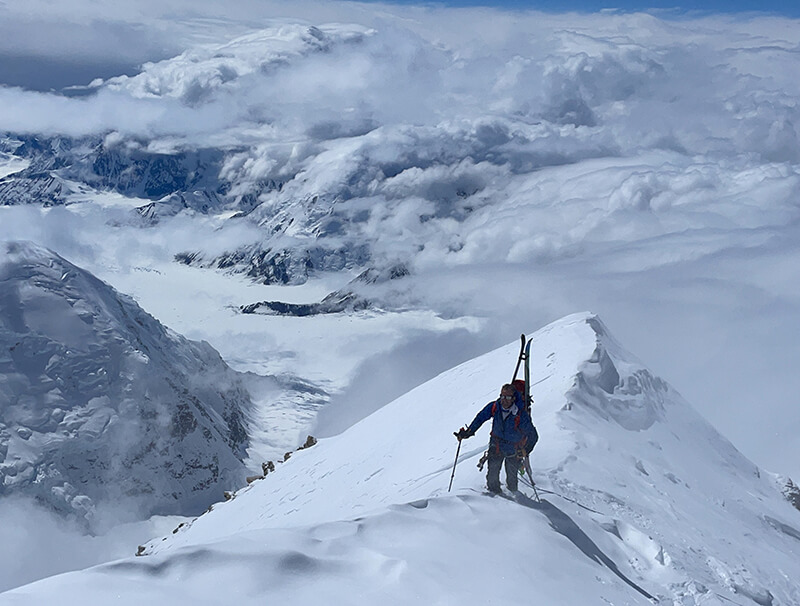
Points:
[(100, 404), (60, 166), (347, 299)]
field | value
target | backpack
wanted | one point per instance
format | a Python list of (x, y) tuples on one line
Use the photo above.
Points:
[(519, 385)]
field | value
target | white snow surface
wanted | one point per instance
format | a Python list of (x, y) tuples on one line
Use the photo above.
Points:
[(642, 502)]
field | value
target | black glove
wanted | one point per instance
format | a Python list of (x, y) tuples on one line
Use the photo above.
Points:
[(462, 434)]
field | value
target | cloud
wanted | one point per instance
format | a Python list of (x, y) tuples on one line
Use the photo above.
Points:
[(386, 377), (637, 79), (37, 543), (72, 232)]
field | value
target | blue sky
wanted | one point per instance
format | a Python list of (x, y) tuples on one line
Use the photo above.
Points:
[(790, 8)]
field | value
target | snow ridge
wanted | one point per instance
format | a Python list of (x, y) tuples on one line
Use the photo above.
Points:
[(642, 502), (669, 493)]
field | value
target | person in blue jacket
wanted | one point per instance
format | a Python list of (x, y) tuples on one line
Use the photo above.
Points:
[(512, 439)]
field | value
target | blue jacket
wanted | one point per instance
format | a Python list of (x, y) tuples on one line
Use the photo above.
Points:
[(509, 435)]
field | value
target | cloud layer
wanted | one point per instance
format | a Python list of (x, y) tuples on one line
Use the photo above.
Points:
[(700, 86)]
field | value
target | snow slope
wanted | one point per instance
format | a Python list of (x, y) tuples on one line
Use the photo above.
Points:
[(642, 501), (103, 407)]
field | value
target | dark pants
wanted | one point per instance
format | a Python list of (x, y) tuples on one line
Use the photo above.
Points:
[(495, 462)]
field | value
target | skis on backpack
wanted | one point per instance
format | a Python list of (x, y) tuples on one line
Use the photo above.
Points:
[(527, 376), (521, 356), (525, 356)]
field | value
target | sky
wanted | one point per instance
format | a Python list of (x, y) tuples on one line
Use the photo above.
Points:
[(665, 8)]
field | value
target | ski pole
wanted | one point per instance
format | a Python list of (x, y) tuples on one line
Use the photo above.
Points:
[(453, 475), (527, 462), (535, 492), (528, 482)]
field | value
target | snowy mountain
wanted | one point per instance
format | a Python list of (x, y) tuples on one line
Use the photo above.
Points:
[(642, 501), (102, 407), (62, 170)]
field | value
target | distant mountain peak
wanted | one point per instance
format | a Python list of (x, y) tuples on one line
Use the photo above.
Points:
[(100, 404)]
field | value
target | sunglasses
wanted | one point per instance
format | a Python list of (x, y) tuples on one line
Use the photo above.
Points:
[(506, 397)]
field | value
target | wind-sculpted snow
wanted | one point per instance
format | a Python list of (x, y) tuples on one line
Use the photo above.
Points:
[(664, 511), (101, 407), (635, 399)]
